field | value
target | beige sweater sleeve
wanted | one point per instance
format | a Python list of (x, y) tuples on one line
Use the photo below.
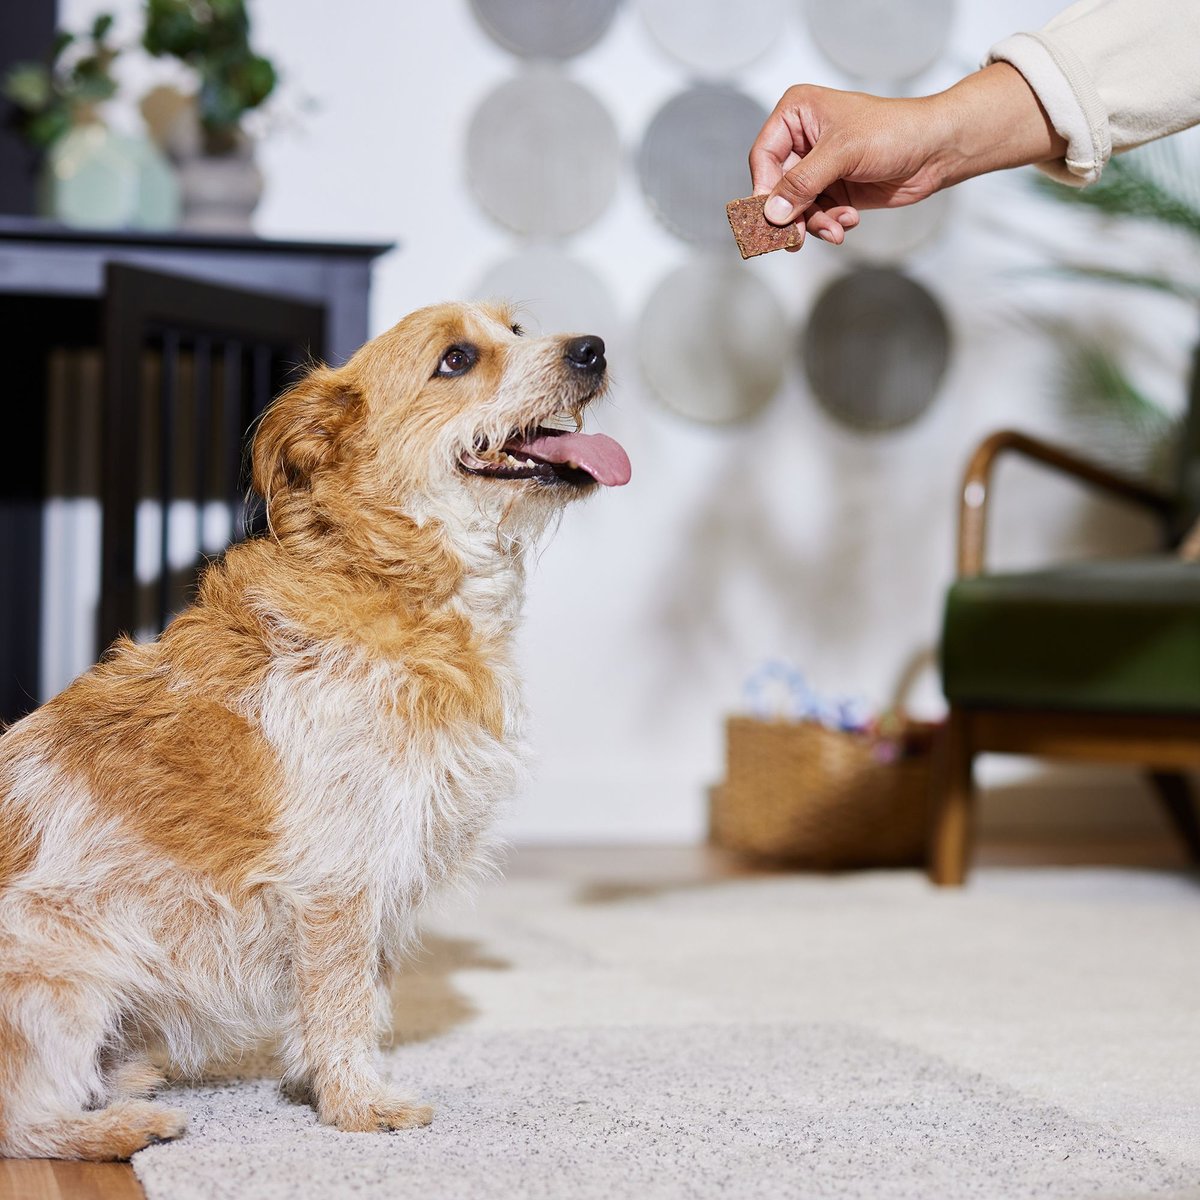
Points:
[(1111, 74)]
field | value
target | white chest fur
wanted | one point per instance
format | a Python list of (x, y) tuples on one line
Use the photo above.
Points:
[(368, 800)]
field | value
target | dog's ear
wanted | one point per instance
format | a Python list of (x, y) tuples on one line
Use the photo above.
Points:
[(302, 431)]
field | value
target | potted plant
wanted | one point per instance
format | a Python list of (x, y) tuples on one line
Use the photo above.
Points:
[(220, 181), (91, 175), (53, 97), (1151, 184)]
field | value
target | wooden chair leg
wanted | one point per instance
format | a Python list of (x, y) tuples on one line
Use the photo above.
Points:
[(950, 842), (1174, 790)]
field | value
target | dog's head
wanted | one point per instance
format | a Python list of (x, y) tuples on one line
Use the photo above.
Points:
[(453, 410)]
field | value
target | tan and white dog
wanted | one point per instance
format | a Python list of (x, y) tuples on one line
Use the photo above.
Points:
[(223, 836)]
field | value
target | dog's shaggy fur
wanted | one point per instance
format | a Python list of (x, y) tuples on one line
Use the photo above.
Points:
[(223, 835)]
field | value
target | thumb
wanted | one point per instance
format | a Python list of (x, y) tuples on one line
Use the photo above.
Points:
[(799, 187)]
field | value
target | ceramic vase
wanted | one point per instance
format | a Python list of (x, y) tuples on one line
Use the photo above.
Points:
[(98, 178)]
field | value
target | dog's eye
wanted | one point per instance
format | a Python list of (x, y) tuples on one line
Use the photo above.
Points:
[(458, 360), (518, 330)]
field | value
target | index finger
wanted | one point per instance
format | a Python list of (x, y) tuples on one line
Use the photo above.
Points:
[(769, 154)]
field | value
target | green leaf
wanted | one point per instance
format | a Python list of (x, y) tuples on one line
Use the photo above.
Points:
[(28, 86), (212, 37), (231, 13), (1132, 188), (220, 105), (1100, 394), (255, 80), (1092, 374), (1157, 283), (92, 89), (46, 128), (172, 28)]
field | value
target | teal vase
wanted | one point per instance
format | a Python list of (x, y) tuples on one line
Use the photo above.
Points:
[(96, 178)]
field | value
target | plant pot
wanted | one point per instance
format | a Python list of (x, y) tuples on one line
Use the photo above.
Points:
[(219, 181), (220, 192)]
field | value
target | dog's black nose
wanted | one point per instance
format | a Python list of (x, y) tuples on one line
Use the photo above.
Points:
[(586, 353)]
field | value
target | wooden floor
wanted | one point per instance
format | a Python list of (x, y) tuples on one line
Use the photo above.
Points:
[(40, 1179), (606, 867)]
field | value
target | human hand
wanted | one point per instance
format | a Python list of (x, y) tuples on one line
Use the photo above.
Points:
[(823, 154)]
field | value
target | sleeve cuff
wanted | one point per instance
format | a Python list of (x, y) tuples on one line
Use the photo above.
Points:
[(1072, 102)]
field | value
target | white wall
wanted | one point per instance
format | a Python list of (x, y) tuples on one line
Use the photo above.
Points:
[(787, 537)]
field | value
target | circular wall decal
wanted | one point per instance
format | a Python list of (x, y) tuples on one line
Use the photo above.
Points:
[(880, 40), (888, 235), (555, 294), (712, 341), (715, 37), (545, 28), (875, 348), (542, 154), (693, 159)]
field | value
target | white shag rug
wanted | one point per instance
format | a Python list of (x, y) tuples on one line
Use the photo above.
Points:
[(1034, 1035)]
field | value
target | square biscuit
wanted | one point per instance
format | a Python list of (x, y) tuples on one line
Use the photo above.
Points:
[(754, 233)]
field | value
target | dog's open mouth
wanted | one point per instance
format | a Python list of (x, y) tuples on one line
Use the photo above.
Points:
[(552, 456)]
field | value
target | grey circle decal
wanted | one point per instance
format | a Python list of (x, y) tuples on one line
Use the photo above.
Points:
[(693, 159), (715, 37), (889, 235), (880, 40), (876, 348), (542, 154), (554, 293), (545, 28), (712, 341)]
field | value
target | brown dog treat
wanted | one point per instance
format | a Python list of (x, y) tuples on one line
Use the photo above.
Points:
[(754, 233)]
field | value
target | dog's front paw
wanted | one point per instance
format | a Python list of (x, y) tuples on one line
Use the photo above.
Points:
[(384, 1112), (391, 1112), (124, 1128)]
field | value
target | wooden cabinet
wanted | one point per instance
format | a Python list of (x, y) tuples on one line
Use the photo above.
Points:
[(193, 335)]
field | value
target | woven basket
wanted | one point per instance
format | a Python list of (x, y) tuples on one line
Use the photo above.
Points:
[(799, 793)]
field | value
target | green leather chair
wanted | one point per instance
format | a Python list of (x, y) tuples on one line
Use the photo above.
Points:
[(1094, 660)]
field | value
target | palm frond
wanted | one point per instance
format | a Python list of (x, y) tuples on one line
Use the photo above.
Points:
[(1124, 426), (1153, 184), (1093, 375), (1157, 283)]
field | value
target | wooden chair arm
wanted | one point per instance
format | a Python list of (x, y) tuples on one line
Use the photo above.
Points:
[(972, 518)]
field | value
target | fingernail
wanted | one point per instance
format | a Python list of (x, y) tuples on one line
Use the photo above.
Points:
[(778, 211), (826, 235)]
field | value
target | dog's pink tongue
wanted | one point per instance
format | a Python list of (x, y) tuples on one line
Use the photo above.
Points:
[(603, 458)]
